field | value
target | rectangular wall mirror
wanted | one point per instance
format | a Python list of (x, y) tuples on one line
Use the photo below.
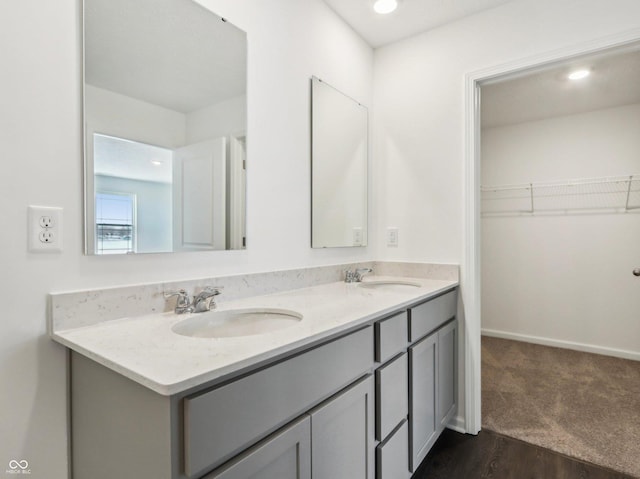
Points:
[(339, 158), (164, 128)]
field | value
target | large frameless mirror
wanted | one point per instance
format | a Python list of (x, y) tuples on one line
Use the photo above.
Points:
[(339, 158), (165, 128)]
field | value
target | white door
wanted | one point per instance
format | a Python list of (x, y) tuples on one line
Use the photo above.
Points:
[(200, 196), (237, 188)]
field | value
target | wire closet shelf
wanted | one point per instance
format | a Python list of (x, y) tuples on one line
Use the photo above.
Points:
[(614, 194)]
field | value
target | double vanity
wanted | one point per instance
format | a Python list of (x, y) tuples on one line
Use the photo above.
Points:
[(295, 374), (332, 381)]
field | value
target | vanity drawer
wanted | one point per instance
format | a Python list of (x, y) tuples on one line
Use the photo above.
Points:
[(392, 395), (222, 422), (392, 456), (391, 336), (285, 454), (430, 315)]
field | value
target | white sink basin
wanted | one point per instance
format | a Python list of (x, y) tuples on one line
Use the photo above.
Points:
[(236, 323), (389, 285)]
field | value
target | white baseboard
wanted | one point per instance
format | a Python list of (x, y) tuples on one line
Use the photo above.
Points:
[(558, 343), (457, 424)]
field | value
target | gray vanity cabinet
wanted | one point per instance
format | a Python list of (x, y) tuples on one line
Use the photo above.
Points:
[(342, 440), (423, 374), (447, 373), (222, 422), (432, 373), (285, 455), (365, 404), (238, 429), (334, 440), (432, 389)]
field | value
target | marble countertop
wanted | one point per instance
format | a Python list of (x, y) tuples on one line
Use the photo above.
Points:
[(146, 350)]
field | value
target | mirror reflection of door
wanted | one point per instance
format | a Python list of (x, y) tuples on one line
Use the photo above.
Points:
[(236, 232), (200, 196)]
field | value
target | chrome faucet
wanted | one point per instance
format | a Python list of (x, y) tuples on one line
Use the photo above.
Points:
[(356, 276), (183, 304), (205, 299), (202, 302), (360, 272)]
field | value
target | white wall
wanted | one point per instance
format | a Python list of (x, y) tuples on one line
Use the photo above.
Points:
[(599, 143), (40, 133), (419, 110), (121, 116), (228, 117), (419, 114), (125, 117), (563, 278)]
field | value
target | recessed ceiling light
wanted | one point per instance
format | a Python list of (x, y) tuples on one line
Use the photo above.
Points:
[(385, 6), (579, 74), (156, 162)]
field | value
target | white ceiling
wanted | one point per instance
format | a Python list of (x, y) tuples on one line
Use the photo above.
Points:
[(411, 16), (527, 96), (172, 53), (132, 160), (547, 93)]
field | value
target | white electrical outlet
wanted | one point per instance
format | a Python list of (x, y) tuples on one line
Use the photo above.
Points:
[(45, 229), (46, 221), (392, 237), (47, 237)]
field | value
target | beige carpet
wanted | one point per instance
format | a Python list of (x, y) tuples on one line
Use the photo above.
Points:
[(579, 404)]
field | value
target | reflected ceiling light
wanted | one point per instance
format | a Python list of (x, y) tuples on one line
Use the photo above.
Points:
[(156, 162), (579, 74), (385, 6)]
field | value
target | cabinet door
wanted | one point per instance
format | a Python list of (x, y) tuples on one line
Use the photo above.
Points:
[(285, 455), (423, 376), (392, 455), (342, 434), (223, 422), (447, 372), (392, 391)]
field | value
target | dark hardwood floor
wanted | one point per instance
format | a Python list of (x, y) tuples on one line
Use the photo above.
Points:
[(491, 455)]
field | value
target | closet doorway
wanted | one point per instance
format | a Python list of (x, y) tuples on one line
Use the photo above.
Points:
[(559, 242)]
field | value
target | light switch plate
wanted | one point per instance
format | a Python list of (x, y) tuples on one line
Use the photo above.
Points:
[(392, 237), (45, 229), (357, 236)]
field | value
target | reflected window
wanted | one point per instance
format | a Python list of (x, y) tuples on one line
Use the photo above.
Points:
[(115, 223)]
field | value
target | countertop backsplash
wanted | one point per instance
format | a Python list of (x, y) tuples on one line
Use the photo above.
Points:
[(70, 310)]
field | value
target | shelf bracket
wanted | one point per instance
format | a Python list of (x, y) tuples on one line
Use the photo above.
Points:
[(531, 192), (626, 206)]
